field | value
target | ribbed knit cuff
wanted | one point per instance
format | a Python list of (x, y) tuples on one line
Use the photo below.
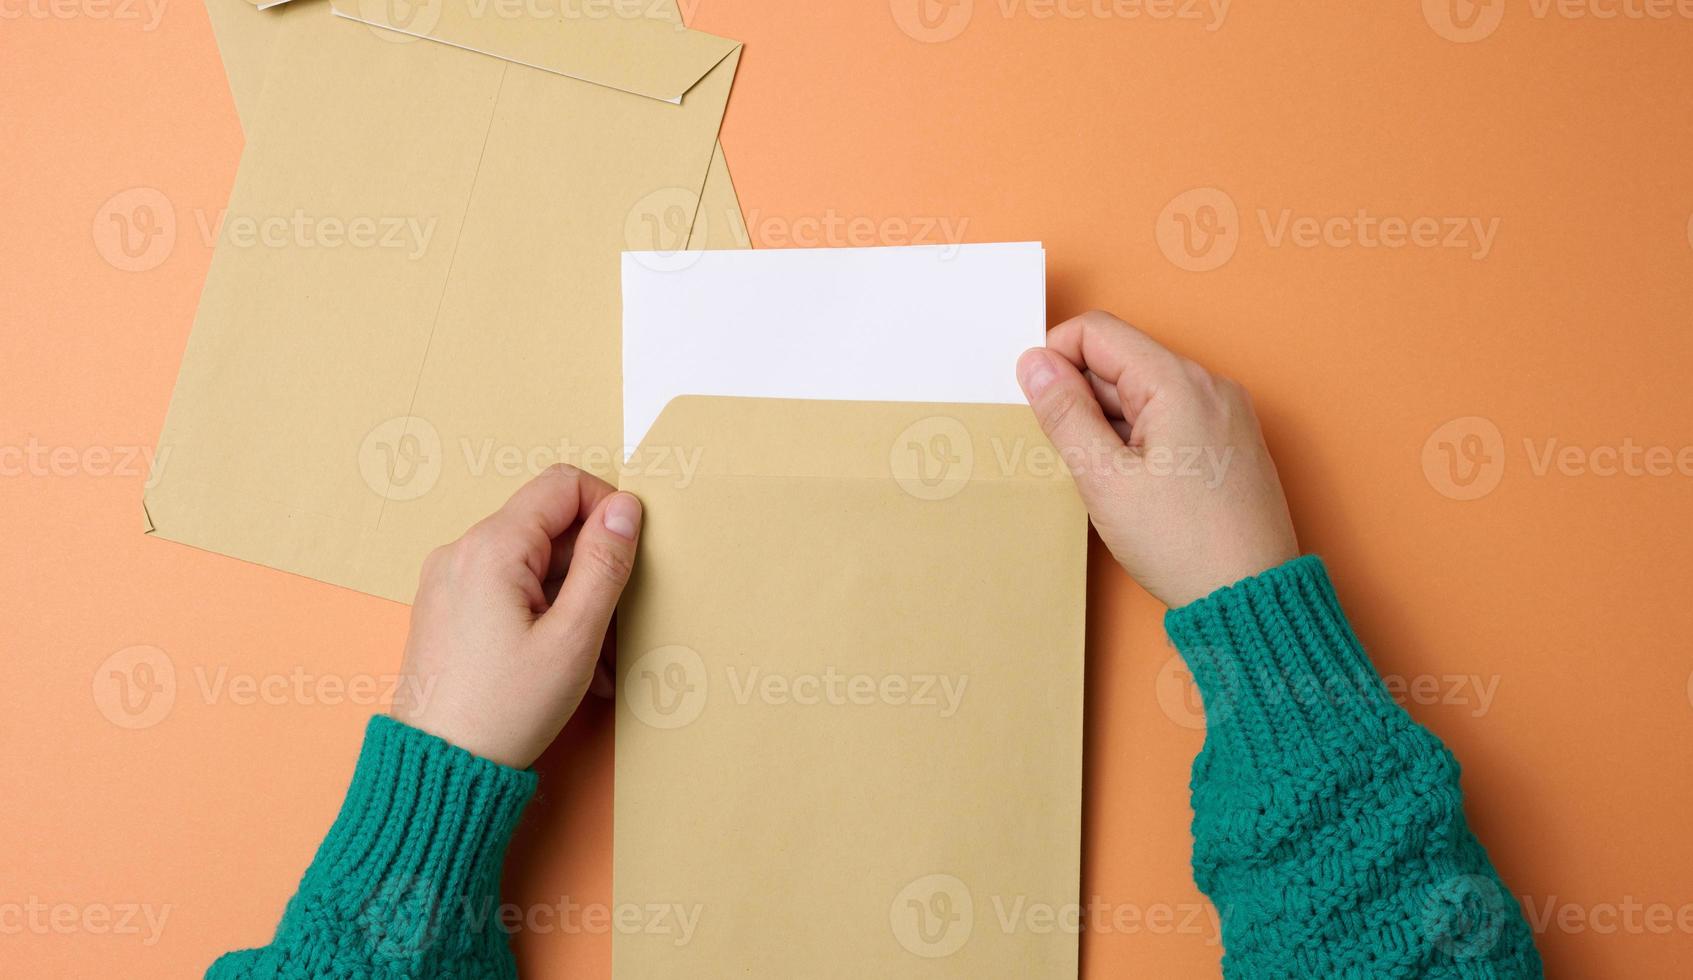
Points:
[(415, 856), (1278, 667)]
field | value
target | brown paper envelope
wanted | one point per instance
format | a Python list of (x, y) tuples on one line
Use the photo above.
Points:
[(897, 549), (245, 37), (341, 410), (632, 51), (719, 223)]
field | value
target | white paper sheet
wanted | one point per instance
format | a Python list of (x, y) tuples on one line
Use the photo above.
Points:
[(926, 323)]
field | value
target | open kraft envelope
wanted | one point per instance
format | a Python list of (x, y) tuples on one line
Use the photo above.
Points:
[(850, 674), (246, 36), (345, 404)]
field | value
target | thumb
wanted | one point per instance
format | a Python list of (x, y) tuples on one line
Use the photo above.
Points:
[(1069, 414), (599, 569)]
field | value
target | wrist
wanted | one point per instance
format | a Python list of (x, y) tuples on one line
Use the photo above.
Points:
[(1219, 575), (474, 738), (1278, 667), (417, 850)]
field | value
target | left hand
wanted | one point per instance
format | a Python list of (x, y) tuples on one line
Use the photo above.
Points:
[(509, 620)]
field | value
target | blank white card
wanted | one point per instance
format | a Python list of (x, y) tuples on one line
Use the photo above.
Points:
[(925, 323)]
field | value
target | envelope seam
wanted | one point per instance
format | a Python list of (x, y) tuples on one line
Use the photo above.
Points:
[(447, 279)]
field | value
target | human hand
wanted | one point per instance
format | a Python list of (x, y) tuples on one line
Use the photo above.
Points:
[(1169, 460), (509, 620)]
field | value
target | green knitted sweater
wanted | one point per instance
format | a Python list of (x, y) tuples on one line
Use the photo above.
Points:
[(407, 883), (1328, 826)]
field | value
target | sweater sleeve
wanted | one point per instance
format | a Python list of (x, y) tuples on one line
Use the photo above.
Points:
[(407, 882), (1328, 826)]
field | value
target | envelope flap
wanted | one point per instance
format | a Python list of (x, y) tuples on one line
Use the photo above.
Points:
[(932, 449), (641, 48)]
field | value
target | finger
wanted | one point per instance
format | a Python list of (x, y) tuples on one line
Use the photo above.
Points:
[(524, 527), (551, 501), (599, 569), (1120, 355), (1109, 400), (1112, 405), (1068, 413), (563, 547)]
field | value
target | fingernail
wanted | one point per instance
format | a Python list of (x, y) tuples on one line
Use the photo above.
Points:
[(1034, 370), (623, 515)]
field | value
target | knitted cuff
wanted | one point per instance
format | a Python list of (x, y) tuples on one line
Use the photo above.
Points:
[(1278, 667), (415, 856)]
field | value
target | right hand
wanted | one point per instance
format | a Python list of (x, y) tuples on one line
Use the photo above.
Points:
[(1169, 459)]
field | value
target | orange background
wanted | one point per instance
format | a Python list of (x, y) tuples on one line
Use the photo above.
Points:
[(1567, 591)]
